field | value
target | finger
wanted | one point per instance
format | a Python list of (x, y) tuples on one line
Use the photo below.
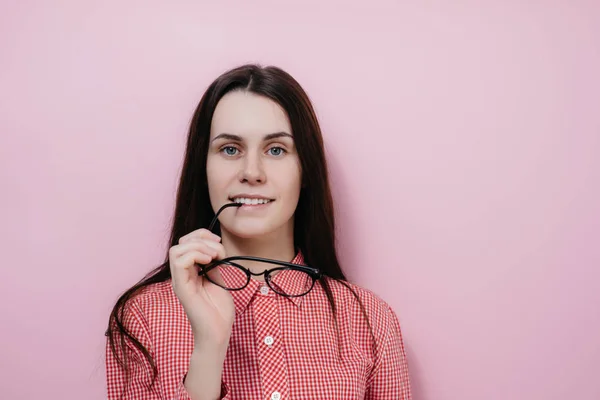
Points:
[(186, 264), (200, 234), (196, 257), (202, 239), (181, 269), (181, 249), (219, 248)]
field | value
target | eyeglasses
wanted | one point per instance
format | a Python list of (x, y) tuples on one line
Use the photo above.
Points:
[(298, 281)]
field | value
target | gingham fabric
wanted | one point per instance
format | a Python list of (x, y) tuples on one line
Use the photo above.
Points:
[(280, 348)]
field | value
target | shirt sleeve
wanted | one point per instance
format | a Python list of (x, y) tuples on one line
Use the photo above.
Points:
[(182, 393), (137, 383), (389, 378)]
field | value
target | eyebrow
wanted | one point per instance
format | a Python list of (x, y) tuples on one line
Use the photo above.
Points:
[(237, 138)]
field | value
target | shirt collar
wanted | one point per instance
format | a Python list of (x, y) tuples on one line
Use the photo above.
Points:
[(289, 281)]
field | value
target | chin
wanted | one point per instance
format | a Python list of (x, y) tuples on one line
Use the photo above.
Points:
[(249, 231)]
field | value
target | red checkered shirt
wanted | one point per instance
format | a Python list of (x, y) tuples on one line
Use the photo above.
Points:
[(280, 347)]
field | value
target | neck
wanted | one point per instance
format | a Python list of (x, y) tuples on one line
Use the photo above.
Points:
[(278, 245)]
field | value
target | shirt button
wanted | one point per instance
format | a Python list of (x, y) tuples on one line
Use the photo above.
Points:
[(269, 340), (265, 290), (276, 396)]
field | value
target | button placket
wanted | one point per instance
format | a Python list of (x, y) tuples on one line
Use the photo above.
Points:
[(271, 356)]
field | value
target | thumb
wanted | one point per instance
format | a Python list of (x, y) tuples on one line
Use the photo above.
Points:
[(215, 275)]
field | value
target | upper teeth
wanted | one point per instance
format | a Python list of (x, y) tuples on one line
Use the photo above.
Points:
[(250, 201)]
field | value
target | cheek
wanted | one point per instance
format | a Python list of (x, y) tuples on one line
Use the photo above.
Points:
[(215, 178), (290, 180)]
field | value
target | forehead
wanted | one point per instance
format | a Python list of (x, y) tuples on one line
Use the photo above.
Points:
[(248, 115)]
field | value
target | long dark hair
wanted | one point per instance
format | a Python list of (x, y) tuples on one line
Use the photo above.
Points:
[(314, 228)]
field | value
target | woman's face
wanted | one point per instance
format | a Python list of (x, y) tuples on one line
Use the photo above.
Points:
[(252, 159)]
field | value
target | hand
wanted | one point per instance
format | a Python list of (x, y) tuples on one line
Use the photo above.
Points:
[(209, 308)]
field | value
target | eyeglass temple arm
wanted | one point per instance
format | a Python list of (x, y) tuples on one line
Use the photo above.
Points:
[(215, 219)]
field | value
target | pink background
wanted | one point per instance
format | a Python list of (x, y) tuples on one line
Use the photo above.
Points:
[(464, 141)]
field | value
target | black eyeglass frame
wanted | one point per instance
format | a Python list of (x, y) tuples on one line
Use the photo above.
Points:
[(313, 273)]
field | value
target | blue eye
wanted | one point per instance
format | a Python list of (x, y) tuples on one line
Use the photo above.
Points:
[(276, 151), (229, 150)]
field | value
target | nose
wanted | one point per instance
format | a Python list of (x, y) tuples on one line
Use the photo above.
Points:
[(252, 170)]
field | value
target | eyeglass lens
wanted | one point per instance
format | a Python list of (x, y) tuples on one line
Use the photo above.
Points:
[(284, 281)]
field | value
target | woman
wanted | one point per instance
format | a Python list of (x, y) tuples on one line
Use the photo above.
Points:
[(208, 323)]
